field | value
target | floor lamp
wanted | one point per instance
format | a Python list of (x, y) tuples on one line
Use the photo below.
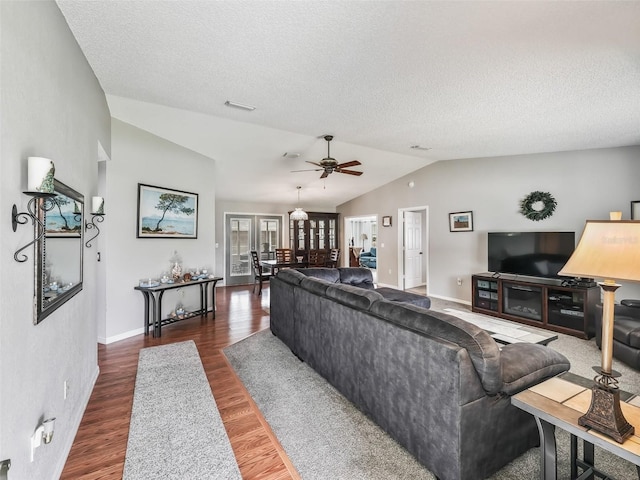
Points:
[(609, 250)]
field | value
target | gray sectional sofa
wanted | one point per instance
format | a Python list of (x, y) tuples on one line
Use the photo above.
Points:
[(438, 385)]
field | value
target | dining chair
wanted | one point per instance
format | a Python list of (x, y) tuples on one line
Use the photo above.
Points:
[(259, 275), (334, 257)]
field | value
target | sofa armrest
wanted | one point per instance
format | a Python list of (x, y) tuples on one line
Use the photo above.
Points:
[(527, 364)]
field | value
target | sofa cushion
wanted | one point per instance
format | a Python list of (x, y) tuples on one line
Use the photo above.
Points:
[(482, 349), (353, 296), (526, 364), (394, 295), (360, 277), (315, 285), (329, 274), (291, 275)]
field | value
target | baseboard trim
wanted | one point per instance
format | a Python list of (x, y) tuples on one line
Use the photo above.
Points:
[(75, 424), (120, 336), (429, 294), (131, 333), (450, 299)]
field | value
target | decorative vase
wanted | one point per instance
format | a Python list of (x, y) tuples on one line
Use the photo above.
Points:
[(176, 271)]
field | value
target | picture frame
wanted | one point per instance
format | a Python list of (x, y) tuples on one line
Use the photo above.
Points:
[(635, 210), (461, 221), (166, 213), (386, 221)]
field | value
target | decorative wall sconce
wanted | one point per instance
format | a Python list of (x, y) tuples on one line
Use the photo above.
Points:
[(43, 434), (41, 188), (97, 216)]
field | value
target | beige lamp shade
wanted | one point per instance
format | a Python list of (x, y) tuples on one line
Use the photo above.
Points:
[(607, 249)]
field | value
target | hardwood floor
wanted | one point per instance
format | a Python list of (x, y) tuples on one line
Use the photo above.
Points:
[(99, 449)]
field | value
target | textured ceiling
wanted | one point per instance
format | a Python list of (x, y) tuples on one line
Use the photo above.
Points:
[(466, 79)]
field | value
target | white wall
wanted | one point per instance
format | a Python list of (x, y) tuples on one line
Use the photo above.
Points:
[(51, 106), (140, 157), (586, 184)]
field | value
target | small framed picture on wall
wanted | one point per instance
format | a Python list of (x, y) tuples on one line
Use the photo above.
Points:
[(461, 222), (386, 221)]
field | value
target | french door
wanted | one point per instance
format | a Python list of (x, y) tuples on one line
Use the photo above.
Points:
[(244, 233)]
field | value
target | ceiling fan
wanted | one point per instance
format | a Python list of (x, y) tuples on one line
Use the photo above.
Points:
[(329, 165)]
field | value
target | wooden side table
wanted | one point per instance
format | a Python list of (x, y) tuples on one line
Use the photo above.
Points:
[(559, 403)]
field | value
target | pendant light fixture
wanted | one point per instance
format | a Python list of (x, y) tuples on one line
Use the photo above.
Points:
[(299, 213)]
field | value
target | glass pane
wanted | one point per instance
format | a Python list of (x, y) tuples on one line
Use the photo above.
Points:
[(313, 233), (300, 235), (321, 235), (268, 238), (332, 233), (240, 245)]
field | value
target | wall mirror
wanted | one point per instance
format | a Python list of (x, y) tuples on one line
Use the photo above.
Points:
[(59, 253)]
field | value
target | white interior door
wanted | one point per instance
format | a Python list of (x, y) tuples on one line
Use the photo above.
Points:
[(412, 249)]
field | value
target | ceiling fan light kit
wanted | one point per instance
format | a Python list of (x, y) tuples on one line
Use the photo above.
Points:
[(328, 165)]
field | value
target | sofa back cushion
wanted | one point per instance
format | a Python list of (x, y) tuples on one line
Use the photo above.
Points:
[(352, 296), (291, 276), (328, 274), (357, 276), (482, 349)]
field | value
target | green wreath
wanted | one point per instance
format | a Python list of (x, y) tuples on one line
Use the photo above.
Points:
[(549, 206)]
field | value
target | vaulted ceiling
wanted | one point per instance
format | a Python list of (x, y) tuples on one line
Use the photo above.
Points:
[(460, 79)]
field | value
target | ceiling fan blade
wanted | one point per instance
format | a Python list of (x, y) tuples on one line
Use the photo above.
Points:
[(349, 172), (325, 174), (352, 163), (308, 170), (313, 163)]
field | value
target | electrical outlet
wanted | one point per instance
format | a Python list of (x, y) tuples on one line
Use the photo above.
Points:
[(459, 280), (66, 389)]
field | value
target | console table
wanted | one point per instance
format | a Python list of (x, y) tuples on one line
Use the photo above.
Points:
[(559, 402), (153, 299)]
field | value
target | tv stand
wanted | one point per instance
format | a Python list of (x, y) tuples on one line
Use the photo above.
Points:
[(540, 302)]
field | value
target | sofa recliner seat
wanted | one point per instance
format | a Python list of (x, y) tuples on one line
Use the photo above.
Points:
[(438, 385), (626, 331)]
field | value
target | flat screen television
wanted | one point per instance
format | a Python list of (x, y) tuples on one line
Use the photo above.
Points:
[(535, 254)]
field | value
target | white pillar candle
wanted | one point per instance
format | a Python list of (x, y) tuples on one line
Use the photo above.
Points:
[(97, 205), (40, 172)]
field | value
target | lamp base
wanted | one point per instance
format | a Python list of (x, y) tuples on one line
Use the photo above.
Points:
[(604, 414)]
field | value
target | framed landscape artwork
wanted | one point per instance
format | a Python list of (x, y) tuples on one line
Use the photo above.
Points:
[(166, 213), (461, 222), (64, 219)]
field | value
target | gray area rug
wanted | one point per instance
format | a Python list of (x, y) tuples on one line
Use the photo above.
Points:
[(326, 437), (176, 431)]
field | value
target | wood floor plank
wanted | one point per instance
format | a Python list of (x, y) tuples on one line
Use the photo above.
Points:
[(99, 449)]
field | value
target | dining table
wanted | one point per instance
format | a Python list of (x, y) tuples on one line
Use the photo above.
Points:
[(274, 265)]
